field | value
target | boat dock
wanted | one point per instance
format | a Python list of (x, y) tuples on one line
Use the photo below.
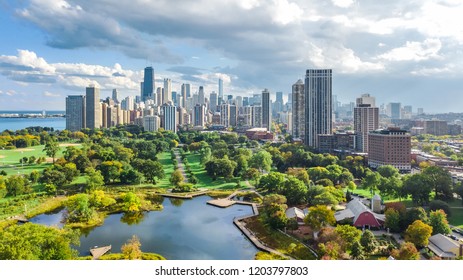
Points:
[(97, 252)]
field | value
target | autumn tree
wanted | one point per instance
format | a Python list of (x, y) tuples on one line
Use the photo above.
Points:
[(176, 177), (132, 202), (407, 251), (418, 233), (438, 222), (393, 220), (349, 234), (319, 216), (131, 250)]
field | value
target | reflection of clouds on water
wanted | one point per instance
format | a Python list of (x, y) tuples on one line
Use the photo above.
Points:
[(193, 230)]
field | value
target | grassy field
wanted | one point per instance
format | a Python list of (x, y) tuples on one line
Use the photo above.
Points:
[(205, 181), (166, 161), (9, 159)]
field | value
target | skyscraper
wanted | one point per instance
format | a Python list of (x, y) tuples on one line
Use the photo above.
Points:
[(233, 115), (220, 91), (266, 117), (298, 110), (167, 96), (278, 104), (213, 101), (366, 119), (148, 84), (199, 111), (92, 107), (201, 97), (225, 114), (75, 112), (115, 96), (169, 117), (185, 93), (394, 110), (318, 104)]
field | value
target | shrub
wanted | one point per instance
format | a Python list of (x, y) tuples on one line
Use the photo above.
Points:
[(439, 204)]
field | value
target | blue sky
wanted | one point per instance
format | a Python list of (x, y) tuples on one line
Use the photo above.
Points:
[(398, 51)]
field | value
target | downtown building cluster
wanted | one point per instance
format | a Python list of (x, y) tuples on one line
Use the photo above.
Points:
[(309, 115)]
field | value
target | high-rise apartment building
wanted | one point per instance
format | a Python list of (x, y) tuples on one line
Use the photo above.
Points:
[(278, 104), (202, 99), (148, 84), (151, 123), (75, 112), (92, 107), (167, 96), (225, 114), (318, 104), (298, 110), (390, 146), (233, 115), (266, 112), (220, 91), (213, 99), (394, 110), (199, 113), (256, 116), (366, 119), (436, 127), (169, 117), (115, 96)]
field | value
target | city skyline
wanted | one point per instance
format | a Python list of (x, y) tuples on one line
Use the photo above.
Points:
[(400, 52)]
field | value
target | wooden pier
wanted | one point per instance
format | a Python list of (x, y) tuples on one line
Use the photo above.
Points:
[(97, 252)]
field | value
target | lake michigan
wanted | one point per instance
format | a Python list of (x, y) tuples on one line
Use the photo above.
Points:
[(58, 123)]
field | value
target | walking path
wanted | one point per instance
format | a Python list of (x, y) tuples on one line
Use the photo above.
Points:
[(180, 165)]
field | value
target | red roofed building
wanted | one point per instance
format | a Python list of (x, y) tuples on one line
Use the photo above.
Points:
[(360, 215)]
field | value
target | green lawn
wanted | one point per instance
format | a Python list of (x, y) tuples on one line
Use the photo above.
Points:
[(9, 159), (164, 159), (205, 181)]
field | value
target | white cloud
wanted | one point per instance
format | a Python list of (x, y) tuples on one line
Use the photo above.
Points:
[(414, 51), (50, 94), (285, 12), (343, 3)]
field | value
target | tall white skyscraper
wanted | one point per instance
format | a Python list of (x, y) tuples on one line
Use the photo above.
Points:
[(366, 119), (298, 110), (167, 91), (225, 114), (318, 104), (169, 117)]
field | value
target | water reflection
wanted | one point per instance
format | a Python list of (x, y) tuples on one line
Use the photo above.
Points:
[(185, 229)]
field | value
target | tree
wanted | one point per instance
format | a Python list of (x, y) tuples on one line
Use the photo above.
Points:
[(418, 233), (37, 242), (51, 148), (130, 176), (99, 199), (459, 191), (294, 190), (388, 171), (371, 181), (349, 235), (53, 176), (275, 210), (438, 222), (34, 176), (151, 169), (111, 170), (439, 204), (79, 209), (368, 241), (357, 251), (393, 221), (252, 174), (407, 251), (262, 160), (132, 202), (319, 216), (440, 180), (414, 214), (272, 182), (131, 250), (94, 180), (176, 177), (17, 185), (418, 187)]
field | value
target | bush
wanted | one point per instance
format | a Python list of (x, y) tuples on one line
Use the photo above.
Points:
[(439, 204), (184, 187)]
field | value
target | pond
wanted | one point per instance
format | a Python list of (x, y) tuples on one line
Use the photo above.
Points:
[(183, 230)]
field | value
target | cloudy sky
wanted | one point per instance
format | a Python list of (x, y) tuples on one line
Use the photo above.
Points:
[(408, 51)]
